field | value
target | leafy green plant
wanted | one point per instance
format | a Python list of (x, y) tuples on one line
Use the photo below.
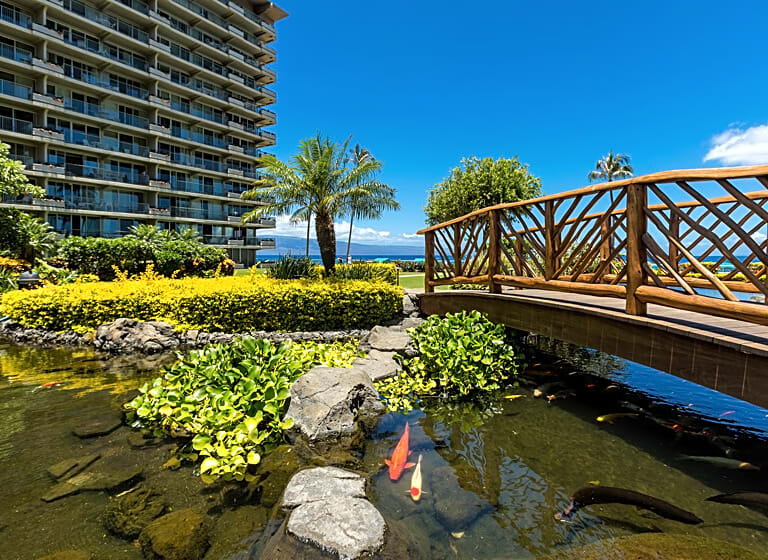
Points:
[(228, 400), (289, 267), (460, 355), (7, 280)]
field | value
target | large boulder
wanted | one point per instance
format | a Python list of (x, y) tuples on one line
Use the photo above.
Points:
[(331, 403), (129, 335), (181, 535)]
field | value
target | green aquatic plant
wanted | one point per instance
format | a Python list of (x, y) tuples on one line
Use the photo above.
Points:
[(228, 400), (460, 355)]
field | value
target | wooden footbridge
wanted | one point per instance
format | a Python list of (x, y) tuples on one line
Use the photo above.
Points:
[(667, 269)]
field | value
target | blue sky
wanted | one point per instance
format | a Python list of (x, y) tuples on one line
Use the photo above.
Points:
[(424, 83)]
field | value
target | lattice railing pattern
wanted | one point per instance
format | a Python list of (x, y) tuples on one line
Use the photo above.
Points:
[(692, 239)]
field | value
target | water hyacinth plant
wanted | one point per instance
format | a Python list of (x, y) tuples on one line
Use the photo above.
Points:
[(460, 355), (229, 400)]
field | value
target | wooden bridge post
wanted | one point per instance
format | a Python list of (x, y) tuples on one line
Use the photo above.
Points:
[(637, 200), (674, 230), (494, 251), (606, 245), (551, 240), (457, 266), (429, 261)]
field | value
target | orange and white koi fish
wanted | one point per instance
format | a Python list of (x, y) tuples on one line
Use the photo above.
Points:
[(50, 385), (416, 482), (398, 463)]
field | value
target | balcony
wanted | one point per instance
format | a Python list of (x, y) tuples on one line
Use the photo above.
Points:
[(210, 16), (216, 92), (94, 79), (15, 90), (215, 188), (48, 133), (129, 176), (15, 17), (267, 222), (15, 125), (17, 54), (198, 213), (266, 242), (105, 20), (137, 5), (81, 203)]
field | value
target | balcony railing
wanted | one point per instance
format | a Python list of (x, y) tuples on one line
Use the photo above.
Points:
[(93, 78), (15, 16), (129, 59), (137, 5), (15, 125), (126, 176), (15, 53), (15, 90), (198, 213), (197, 186), (196, 85), (210, 16), (106, 20), (80, 203)]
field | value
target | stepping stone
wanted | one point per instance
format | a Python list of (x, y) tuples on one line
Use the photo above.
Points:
[(388, 339), (70, 467), (378, 369), (98, 426), (320, 484)]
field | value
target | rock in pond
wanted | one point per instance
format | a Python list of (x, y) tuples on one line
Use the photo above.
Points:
[(181, 535), (658, 546), (378, 368), (235, 531), (127, 515), (319, 484), (388, 339), (69, 555), (104, 476), (455, 507), (276, 470), (70, 467), (329, 513), (98, 426), (130, 335), (329, 403)]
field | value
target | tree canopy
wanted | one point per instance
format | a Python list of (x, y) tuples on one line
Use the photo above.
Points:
[(479, 183), (13, 182)]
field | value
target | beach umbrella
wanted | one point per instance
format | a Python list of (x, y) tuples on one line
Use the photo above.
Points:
[(381, 260)]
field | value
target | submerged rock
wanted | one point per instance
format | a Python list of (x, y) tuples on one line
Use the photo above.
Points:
[(657, 546), (70, 467), (127, 515), (69, 555), (235, 531), (98, 426), (320, 484), (108, 479), (328, 403), (278, 467), (181, 535), (456, 508)]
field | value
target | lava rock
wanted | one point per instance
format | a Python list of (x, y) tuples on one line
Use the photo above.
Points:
[(408, 305), (98, 426), (333, 402), (320, 484), (181, 535), (127, 515), (70, 467), (388, 339)]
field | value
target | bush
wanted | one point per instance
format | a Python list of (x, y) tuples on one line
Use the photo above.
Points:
[(179, 257), (410, 266), (231, 398), (460, 355), (13, 265), (231, 304), (289, 267), (386, 272)]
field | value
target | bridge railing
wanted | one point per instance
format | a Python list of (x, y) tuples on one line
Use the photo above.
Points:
[(689, 239)]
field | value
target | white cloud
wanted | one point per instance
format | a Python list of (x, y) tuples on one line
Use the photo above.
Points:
[(740, 146), (759, 237), (367, 235)]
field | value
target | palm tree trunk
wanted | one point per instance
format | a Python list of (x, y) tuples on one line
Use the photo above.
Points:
[(326, 238), (349, 239), (309, 221)]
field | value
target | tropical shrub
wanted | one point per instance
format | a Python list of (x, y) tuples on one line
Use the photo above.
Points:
[(289, 267), (171, 256), (229, 304), (7, 280), (386, 272), (461, 355), (229, 399), (13, 265)]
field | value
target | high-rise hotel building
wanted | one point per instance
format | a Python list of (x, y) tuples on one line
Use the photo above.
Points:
[(129, 112)]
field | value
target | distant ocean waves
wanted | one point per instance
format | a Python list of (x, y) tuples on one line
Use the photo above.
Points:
[(316, 258)]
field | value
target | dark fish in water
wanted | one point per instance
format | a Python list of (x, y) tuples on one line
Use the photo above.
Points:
[(748, 499), (608, 495)]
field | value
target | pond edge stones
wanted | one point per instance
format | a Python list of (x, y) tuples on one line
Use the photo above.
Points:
[(329, 511)]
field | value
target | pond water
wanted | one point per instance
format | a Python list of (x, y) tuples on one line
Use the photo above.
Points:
[(495, 472)]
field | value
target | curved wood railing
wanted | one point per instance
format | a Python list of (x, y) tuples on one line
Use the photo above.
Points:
[(627, 239)]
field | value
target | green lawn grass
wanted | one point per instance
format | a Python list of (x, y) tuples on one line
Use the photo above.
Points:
[(415, 280)]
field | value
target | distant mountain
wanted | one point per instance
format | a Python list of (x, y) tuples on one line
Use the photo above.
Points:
[(297, 246)]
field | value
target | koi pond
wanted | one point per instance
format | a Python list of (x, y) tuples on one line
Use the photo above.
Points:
[(494, 472)]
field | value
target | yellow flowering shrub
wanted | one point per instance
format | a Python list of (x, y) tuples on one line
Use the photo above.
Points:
[(228, 304)]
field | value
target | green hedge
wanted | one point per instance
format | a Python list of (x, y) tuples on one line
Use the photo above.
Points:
[(229, 304), (386, 272)]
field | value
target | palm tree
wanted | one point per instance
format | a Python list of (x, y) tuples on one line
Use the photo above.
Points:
[(317, 182), (371, 200), (612, 166)]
